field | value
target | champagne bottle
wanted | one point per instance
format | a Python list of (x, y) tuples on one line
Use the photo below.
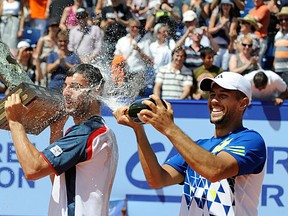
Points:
[(137, 106)]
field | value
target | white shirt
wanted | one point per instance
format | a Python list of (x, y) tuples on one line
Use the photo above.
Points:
[(274, 88), (124, 47), (161, 53)]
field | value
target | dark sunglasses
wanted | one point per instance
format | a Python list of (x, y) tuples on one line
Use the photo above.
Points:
[(29, 49), (283, 19), (247, 45), (82, 16)]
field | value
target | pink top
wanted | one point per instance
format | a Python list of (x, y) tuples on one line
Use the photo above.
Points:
[(71, 20)]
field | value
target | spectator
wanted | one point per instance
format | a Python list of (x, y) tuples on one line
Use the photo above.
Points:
[(39, 13), (165, 13), (85, 40), (134, 50), (68, 18), (113, 31), (244, 62), (248, 25), (239, 5), (281, 47), (267, 86), (221, 25), (174, 80), (262, 14), (274, 8), (82, 163), (60, 61), (56, 8), (139, 9), (101, 4), (162, 47), (25, 59), (12, 22), (45, 45), (190, 20), (206, 70), (193, 59), (197, 6), (122, 12)]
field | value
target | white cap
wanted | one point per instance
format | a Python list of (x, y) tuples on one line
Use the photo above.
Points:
[(189, 16), (22, 44), (228, 80)]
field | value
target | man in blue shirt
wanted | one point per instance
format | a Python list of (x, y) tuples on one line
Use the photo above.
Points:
[(222, 175)]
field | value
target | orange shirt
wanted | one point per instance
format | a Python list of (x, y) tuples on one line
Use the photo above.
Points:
[(37, 9), (262, 14)]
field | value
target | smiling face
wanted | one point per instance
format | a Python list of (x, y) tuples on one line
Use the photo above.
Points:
[(162, 33), (76, 97), (226, 106), (134, 27), (247, 45)]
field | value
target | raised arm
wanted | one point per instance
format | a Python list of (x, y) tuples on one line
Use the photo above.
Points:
[(30, 159), (156, 175)]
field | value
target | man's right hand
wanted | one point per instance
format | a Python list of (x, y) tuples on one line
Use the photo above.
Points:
[(123, 118)]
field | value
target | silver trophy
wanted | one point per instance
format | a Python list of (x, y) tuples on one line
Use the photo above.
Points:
[(44, 105)]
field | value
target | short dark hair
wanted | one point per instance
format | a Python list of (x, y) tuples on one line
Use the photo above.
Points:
[(206, 50), (260, 79), (90, 72), (177, 49)]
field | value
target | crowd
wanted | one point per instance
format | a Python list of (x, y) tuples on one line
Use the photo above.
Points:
[(172, 44)]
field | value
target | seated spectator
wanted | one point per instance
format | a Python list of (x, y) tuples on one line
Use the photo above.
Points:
[(165, 13), (56, 8), (197, 6), (262, 14), (193, 59), (45, 45), (139, 10), (174, 80), (132, 48), (39, 13), (206, 70), (248, 25), (190, 20), (60, 61), (244, 62), (25, 59), (85, 40), (281, 45), (12, 22), (113, 31), (68, 19), (274, 8), (122, 12), (239, 5), (161, 49), (222, 24), (267, 86)]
